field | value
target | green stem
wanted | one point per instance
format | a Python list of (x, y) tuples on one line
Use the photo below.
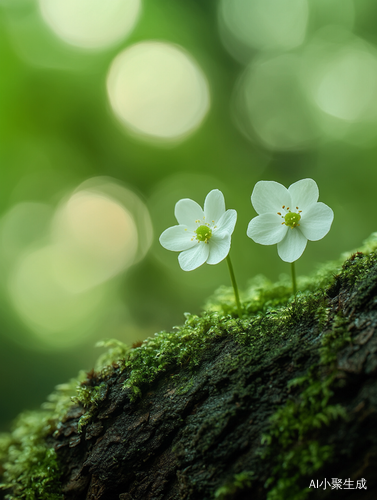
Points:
[(235, 288), (293, 272)]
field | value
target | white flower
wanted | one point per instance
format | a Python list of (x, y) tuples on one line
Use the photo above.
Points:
[(202, 235), (288, 217)]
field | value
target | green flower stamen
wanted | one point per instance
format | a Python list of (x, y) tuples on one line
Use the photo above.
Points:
[(292, 219), (203, 233)]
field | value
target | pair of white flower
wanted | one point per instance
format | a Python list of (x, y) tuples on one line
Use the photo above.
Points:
[(289, 217)]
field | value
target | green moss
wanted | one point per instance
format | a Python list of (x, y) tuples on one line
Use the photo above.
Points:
[(269, 309), (288, 441), (239, 482), (184, 346), (88, 395), (29, 469), (187, 384), (32, 470), (116, 353), (288, 444)]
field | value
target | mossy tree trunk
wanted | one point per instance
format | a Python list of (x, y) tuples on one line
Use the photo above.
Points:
[(195, 431), (261, 408)]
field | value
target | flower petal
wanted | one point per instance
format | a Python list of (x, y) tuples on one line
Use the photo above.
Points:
[(187, 212), (214, 206), (226, 223), (292, 246), (177, 238), (194, 257), (303, 193), (218, 248), (267, 229), (269, 197), (316, 221)]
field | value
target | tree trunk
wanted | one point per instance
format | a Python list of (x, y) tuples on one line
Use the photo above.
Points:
[(191, 443), (281, 405)]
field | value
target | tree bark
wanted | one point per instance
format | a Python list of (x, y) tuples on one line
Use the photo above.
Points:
[(185, 444)]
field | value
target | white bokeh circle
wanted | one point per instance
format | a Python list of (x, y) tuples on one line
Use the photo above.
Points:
[(55, 315), (91, 24), (95, 239), (339, 73), (158, 91), (60, 264), (270, 107), (276, 25)]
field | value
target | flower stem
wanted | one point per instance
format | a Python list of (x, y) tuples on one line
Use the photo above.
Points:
[(235, 288), (293, 272)]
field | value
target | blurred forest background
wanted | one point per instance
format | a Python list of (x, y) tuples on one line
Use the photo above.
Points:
[(111, 111)]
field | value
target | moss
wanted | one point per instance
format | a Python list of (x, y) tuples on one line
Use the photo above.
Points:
[(89, 395), (288, 441), (184, 346), (30, 469), (269, 308), (116, 353), (288, 444), (238, 483)]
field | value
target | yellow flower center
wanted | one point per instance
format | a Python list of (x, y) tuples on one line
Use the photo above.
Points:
[(203, 233), (292, 219)]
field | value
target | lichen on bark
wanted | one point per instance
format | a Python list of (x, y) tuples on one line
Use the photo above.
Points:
[(220, 407)]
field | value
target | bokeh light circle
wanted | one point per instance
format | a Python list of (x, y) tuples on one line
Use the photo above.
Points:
[(20, 227), (158, 91), (277, 25), (340, 75), (270, 107), (91, 24), (132, 203), (336, 13), (60, 262), (56, 316), (96, 238), (349, 85)]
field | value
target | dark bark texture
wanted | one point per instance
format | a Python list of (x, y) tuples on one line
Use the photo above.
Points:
[(174, 444)]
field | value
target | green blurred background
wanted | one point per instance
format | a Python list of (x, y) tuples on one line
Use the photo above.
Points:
[(110, 112)]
